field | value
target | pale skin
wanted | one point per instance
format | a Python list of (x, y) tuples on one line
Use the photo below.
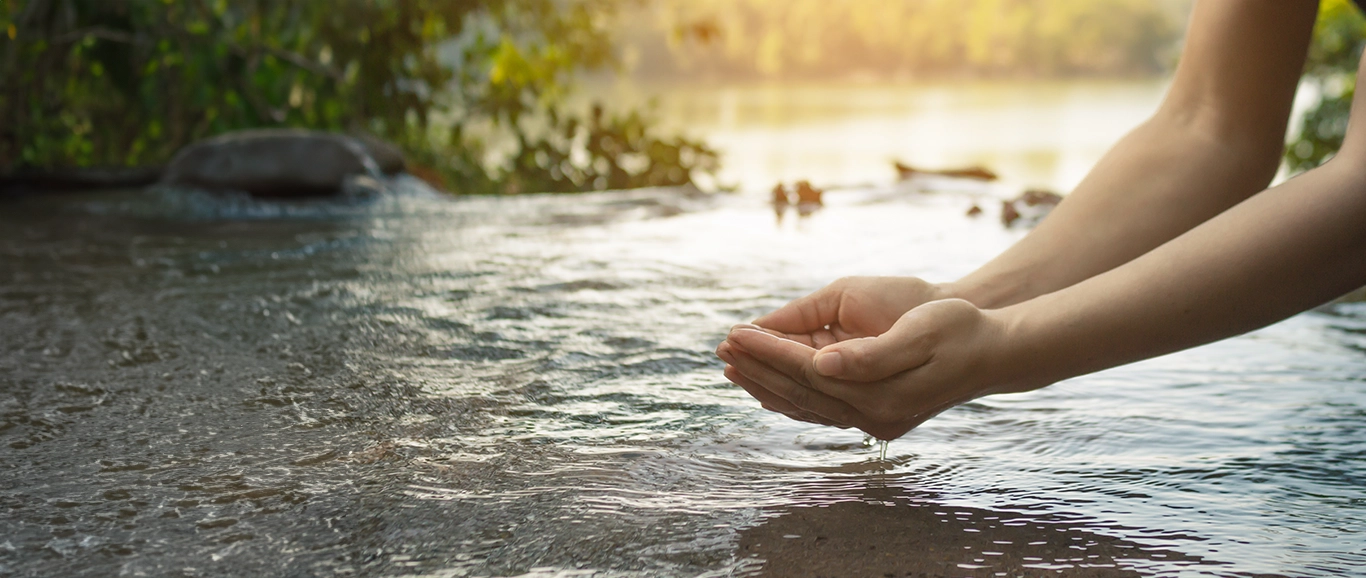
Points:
[(1172, 241)]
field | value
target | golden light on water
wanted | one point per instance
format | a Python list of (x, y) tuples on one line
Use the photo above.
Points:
[(833, 93), (1039, 134)]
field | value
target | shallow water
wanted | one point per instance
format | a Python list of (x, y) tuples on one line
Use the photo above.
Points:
[(1035, 133), (420, 385)]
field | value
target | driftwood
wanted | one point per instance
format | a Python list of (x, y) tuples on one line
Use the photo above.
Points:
[(906, 172)]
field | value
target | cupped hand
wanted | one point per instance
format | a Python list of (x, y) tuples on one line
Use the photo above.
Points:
[(934, 357), (849, 308)]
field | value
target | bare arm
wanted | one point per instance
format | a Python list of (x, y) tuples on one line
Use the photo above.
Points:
[(1266, 258), (1284, 250), (1278, 253), (1288, 249), (1216, 140)]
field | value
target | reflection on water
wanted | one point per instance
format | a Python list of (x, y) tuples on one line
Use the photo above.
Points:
[(1035, 134), (417, 385)]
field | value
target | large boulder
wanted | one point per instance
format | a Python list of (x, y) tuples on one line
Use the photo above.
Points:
[(281, 162), (386, 155), (78, 179)]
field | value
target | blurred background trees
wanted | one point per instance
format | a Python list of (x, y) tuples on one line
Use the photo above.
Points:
[(817, 39), (1331, 71), (480, 92), (129, 82)]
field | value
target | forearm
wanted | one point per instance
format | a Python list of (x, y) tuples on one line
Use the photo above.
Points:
[(1216, 140), (1157, 183), (1283, 251)]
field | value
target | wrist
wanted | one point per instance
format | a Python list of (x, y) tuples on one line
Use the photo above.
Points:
[(1024, 356), (986, 293)]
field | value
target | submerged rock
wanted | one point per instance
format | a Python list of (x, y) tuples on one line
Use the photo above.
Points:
[(1029, 208), (808, 195), (780, 196), (282, 162)]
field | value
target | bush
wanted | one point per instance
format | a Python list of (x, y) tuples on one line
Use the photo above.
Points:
[(129, 82), (1339, 36)]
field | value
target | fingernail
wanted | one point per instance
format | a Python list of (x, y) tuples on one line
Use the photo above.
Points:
[(829, 364), (737, 338), (723, 351)]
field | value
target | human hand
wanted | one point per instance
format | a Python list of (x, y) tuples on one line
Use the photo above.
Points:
[(934, 357), (849, 308)]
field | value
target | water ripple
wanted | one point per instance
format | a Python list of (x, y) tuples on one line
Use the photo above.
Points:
[(416, 385)]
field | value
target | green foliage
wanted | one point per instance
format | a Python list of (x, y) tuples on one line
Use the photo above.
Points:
[(129, 82), (618, 152), (1339, 36)]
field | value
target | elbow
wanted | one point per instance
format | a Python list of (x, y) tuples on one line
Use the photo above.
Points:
[(1349, 164), (1252, 150)]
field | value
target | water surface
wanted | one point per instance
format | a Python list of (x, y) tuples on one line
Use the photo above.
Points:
[(1035, 134), (422, 385)]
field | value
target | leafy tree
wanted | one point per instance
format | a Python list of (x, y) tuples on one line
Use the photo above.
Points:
[(1339, 36), (129, 82)]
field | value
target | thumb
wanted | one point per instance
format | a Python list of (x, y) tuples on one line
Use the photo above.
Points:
[(874, 358)]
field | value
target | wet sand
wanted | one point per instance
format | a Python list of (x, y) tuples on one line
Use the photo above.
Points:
[(888, 535)]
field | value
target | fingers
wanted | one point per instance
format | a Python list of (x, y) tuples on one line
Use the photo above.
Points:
[(839, 334), (771, 377), (787, 357), (806, 339), (806, 314), (772, 402), (907, 345), (823, 337), (767, 399)]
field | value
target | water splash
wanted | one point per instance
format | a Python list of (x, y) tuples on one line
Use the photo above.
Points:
[(868, 442)]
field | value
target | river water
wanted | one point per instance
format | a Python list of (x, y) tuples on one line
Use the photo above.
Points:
[(416, 384), (1034, 133)]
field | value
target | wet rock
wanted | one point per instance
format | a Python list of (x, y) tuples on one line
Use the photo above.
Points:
[(78, 179), (780, 196), (387, 156), (808, 195), (281, 162), (361, 186), (1029, 208)]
